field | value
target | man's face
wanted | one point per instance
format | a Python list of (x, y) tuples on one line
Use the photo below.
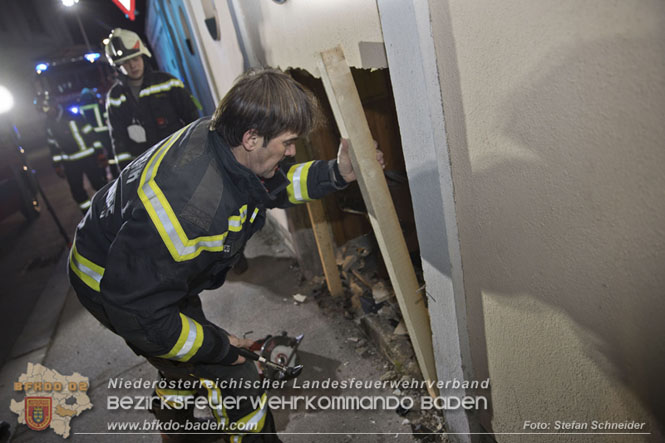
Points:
[(133, 68), (264, 160)]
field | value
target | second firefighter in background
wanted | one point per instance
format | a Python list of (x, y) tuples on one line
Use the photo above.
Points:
[(75, 149), (144, 106)]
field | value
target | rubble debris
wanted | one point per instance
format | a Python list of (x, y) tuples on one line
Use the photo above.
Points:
[(361, 278), (402, 411), (422, 433), (387, 311), (380, 292), (400, 329), (300, 298), (353, 339), (390, 375), (349, 261), (356, 289)]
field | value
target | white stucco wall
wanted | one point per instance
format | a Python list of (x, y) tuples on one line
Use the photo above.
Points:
[(554, 120), (292, 34)]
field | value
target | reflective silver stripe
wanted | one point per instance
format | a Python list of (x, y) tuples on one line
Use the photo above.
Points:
[(85, 204), (86, 129), (117, 101), (97, 144), (174, 83), (297, 192), (236, 221), (164, 225), (123, 156), (214, 398), (96, 276), (191, 337), (79, 154), (253, 422), (57, 158), (256, 211), (77, 135)]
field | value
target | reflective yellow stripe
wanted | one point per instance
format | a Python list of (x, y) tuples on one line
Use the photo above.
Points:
[(236, 221), (85, 205), (90, 273), (256, 211), (215, 402), (255, 420), (124, 156), (189, 341), (175, 398), (163, 217), (161, 87), (78, 155), (117, 101), (77, 136), (297, 189)]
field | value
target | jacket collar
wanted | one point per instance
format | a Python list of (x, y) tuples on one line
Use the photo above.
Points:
[(262, 191)]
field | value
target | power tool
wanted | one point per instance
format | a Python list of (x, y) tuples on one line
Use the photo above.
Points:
[(275, 356)]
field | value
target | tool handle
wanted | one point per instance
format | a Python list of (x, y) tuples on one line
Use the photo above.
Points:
[(247, 353)]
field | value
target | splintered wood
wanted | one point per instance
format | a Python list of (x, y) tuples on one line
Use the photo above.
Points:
[(352, 124)]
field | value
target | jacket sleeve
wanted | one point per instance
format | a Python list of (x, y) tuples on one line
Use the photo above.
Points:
[(144, 292), (309, 181), (186, 106)]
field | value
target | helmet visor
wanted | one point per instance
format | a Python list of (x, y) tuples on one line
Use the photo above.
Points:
[(119, 50)]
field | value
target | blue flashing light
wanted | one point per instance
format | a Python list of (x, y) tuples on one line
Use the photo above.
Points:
[(92, 56), (41, 67), (74, 109)]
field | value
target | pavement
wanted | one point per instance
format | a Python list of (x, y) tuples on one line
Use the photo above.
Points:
[(62, 336)]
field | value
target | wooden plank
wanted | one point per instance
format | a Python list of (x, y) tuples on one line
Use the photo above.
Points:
[(322, 231), (326, 246), (352, 124)]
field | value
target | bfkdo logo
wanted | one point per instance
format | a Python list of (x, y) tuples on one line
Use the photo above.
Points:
[(38, 412)]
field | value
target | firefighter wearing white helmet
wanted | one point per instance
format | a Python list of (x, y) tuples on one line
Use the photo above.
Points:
[(144, 106)]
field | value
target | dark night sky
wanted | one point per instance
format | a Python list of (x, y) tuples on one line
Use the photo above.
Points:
[(99, 17)]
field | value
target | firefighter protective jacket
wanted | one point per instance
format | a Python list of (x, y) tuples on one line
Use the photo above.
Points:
[(163, 107), (70, 138), (172, 225)]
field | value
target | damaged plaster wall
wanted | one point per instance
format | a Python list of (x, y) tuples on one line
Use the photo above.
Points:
[(292, 34), (554, 121)]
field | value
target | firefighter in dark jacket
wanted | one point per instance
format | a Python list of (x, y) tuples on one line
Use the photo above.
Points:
[(74, 149), (175, 221), (144, 106)]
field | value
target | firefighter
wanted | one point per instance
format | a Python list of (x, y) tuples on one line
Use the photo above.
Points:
[(143, 106), (73, 151), (176, 220), (91, 109)]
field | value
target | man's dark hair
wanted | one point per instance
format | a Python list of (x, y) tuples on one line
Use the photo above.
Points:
[(268, 101)]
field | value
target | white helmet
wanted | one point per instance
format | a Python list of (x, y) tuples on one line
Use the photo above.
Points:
[(121, 45)]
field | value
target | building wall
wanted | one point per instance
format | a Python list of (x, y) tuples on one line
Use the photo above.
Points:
[(554, 117), (292, 34), (171, 36)]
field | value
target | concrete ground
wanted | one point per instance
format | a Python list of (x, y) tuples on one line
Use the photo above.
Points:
[(260, 301)]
